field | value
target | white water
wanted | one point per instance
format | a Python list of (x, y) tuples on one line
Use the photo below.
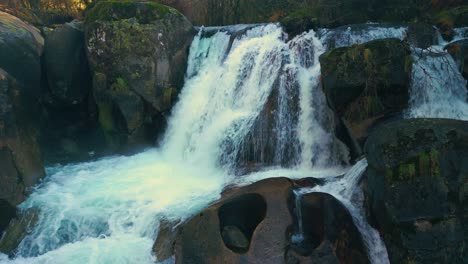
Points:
[(438, 89), (348, 192), (358, 34), (108, 211)]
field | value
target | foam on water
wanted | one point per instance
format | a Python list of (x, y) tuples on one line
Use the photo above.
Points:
[(438, 90), (108, 211), (348, 192)]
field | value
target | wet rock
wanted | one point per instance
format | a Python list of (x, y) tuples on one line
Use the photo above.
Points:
[(163, 248), (422, 35), (459, 52), (138, 54), (446, 19), (234, 238), (417, 189), (364, 83), (255, 224), (18, 229), (20, 157), (329, 233)]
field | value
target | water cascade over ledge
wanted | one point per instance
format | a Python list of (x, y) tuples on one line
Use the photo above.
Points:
[(108, 211)]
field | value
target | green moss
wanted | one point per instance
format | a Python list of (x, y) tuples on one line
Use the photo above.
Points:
[(168, 95), (408, 64), (407, 171), (144, 12), (108, 125), (106, 119), (120, 86)]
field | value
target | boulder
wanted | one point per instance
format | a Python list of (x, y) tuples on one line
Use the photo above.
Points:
[(21, 47), (18, 229), (459, 52), (70, 129), (66, 65), (422, 35), (366, 82), (20, 157), (138, 55), (447, 19), (257, 224), (417, 189), (330, 235)]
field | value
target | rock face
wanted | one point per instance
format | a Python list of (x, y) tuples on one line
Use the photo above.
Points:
[(459, 52), (418, 189), (70, 129), (329, 233), (365, 82), (138, 55), (20, 158), (21, 47), (255, 224), (66, 65), (17, 230)]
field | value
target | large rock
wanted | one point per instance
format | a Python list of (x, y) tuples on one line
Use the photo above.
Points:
[(17, 230), (66, 65), (459, 52), (418, 189), (21, 47), (138, 55), (20, 158), (70, 121), (366, 82), (257, 224), (330, 235)]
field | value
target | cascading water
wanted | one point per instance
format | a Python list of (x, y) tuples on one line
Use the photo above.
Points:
[(438, 89), (108, 211), (348, 192), (357, 34)]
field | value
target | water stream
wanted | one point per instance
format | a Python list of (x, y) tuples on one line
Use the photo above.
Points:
[(108, 211)]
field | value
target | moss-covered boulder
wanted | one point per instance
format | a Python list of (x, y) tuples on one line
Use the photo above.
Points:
[(364, 83), (138, 55), (418, 189), (459, 52), (20, 158)]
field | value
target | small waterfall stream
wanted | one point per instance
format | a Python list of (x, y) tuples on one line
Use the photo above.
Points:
[(107, 211), (346, 189)]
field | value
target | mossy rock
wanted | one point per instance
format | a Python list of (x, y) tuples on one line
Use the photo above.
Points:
[(138, 54), (145, 12), (365, 82), (417, 180), (299, 21), (446, 20)]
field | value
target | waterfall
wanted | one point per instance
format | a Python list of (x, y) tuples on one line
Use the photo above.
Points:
[(348, 192), (361, 33), (249, 96), (438, 89)]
